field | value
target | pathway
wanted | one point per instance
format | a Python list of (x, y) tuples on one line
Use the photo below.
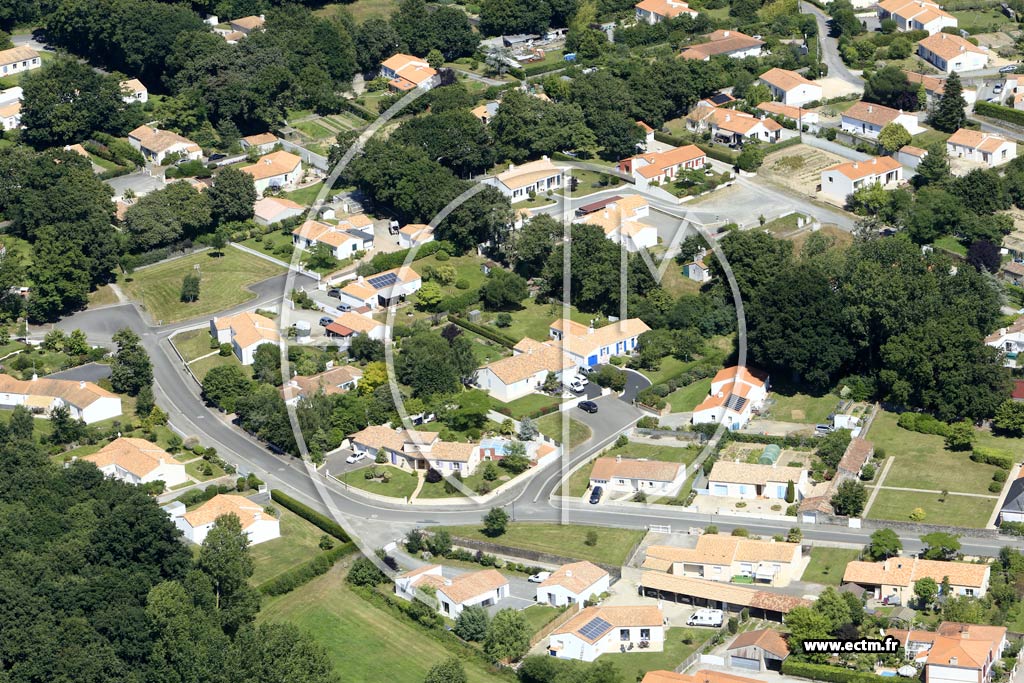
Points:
[(878, 487), (1012, 477), (421, 479), (951, 493)]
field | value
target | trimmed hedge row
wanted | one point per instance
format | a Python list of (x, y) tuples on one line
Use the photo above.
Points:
[(923, 423), (832, 674), (992, 456), (323, 522), (394, 259), (536, 69), (306, 572), (483, 331), (997, 111), (723, 154)]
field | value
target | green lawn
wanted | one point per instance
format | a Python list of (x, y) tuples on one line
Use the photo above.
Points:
[(967, 511), (927, 138), (365, 643), (951, 244), (298, 543), (401, 485), (715, 352), (539, 616), (306, 195), (803, 408), (224, 283), (592, 181), (200, 367), (468, 268), (680, 643), (983, 20), (194, 470), (103, 296), (784, 225), (437, 490), (486, 351), (922, 462), (193, 344), (551, 426), (526, 404), (687, 398), (613, 545), (534, 320), (273, 244), (360, 10), (314, 130), (827, 565)]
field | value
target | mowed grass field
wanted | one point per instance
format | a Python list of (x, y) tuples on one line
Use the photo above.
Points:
[(552, 426), (223, 283), (298, 543), (366, 644), (828, 564), (966, 511), (613, 545)]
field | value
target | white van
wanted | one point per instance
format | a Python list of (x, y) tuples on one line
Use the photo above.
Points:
[(706, 617)]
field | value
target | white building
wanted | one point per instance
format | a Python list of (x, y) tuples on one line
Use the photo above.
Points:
[(84, 400), (730, 43), (345, 239), (867, 119), (351, 323), (245, 332), (525, 371), (334, 380), (484, 588), (916, 15), (910, 156), (417, 450), (718, 557), (791, 88), (278, 170), (734, 127), (984, 148), (573, 584), (588, 346), (1010, 341), (949, 53), (620, 475), (263, 143), (697, 271), (735, 393), (955, 652), (10, 108), (156, 144), (801, 117), (653, 11), (138, 461), (407, 73), (840, 181), (270, 210), (382, 289), (248, 24), (600, 630), (518, 183), (662, 167), (415, 235), (257, 524), (133, 90), (18, 59), (620, 221), (748, 480)]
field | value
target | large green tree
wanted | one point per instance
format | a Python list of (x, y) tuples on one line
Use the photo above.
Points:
[(948, 114), (232, 196), (131, 369)]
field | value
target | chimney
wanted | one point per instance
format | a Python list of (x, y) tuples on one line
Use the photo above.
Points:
[(34, 377), (855, 165), (81, 384), (725, 34), (952, 661), (568, 573), (870, 108), (447, 582)]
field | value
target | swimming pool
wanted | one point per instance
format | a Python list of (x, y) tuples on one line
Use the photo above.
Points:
[(887, 674)]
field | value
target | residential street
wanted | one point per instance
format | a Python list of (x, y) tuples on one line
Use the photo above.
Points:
[(830, 49)]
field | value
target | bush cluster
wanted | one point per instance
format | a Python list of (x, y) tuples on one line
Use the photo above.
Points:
[(831, 674), (923, 423), (992, 456), (321, 521)]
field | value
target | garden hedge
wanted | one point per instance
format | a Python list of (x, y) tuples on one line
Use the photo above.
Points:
[(992, 456), (831, 674), (306, 572), (483, 331), (323, 522), (1000, 112), (394, 259)]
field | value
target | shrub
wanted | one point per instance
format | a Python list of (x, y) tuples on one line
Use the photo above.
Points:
[(741, 532), (433, 476), (462, 283), (831, 674), (321, 521), (995, 487), (923, 423), (868, 473), (992, 456), (917, 515), (306, 572), (591, 538), (365, 573), (999, 475), (647, 422)]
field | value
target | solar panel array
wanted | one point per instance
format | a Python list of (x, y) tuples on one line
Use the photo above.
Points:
[(381, 281), (735, 402), (595, 628)]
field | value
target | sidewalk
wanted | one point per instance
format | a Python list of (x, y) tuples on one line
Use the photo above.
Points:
[(1012, 477), (878, 486)]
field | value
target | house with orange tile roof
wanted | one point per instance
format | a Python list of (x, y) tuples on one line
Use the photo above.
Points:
[(1010, 341), (248, 24), (416, 450), (588, 346), (343, 238), (270, 210), (350, 323), (599, 630), (263, 143), (259, 525), (525, 371), (485, 588), (662, 167), (722, 558), (278, 170), (910, 156), (762, 649), (522, 181), (840, 181), (954, 652), (867, 119), (756, 480), (10, 108), (949, 53), (621, 222), (18, 59), (138, 461), (734, 127), (916, 15), (703, 676), (381, 289), (620, 475), (334, 380), (761, 604), (801, 117), (729, 43), (988, 149), (486, 112), (132, 90), (85, 401), (893, 579), (736, 392), (407, 73), (573, 584), (790, 88), (245, 332), (156, 145), (652, 12), (414, 235)]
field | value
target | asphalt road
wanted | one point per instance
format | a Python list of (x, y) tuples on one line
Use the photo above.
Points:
[(830, 48)]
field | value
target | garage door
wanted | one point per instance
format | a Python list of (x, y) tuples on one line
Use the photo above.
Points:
[(721, 490), (745, 663)]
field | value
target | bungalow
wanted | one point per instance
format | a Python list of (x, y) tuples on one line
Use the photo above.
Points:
[(791, 88), (270, 210), (10, 114), (955, 652), (417, 450), (620, 222), (735, 394), (414, 235), (343, 239), (935, 87), (525, 371), (662, 167), (407, 73), (138, 461), (263, 143), (486, 112), (801, 117), (760, 604), (278, 170), (948, 53), (601, 630), (868, 119), (910, 156), (337, 380), (749, 480), (1013, 272), (654, 11), (648, 136), (762, 649), (485, 588), (573, 584), (245, 332), (1009, 340), (840, 181), (18, 59), (84, 400), (702, 676), (916, 15), (350, 323), (985, 148), (736, 127), (856, 455), (156, 144), (721, 558), (628, 476), (730, 43), (519, 183), (382, 289), (893, 579), (132, 90), (258, 525), (248, 24), (588, 346)]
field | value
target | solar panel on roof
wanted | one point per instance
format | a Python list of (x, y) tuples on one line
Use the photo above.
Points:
[(595, 628), (735, 402), (382, 281)]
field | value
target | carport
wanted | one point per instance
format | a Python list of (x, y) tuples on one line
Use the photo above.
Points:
[(718, 595)]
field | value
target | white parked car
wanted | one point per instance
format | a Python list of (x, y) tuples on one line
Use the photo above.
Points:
[(539, 577), (582, 379), (354, 458), (576, 387)]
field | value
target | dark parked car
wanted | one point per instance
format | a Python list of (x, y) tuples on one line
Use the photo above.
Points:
[(588, 406), (595, 495), (334, 293), (218, 157), (326, 320)]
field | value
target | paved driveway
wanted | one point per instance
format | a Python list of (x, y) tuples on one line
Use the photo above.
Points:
[(90, 372)]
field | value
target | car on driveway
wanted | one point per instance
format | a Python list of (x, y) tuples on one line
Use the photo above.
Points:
[(576, 386), (539, 577), (588, 406), (334, 293), (354, 458), (344, 308), (997, 88), (595, 495), (582, 379), (326, 320), (1008, 69)]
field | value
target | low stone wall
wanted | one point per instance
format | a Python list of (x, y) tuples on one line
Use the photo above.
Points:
[(529, 555)]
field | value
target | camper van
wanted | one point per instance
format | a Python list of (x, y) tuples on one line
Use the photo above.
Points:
[(706, 617)]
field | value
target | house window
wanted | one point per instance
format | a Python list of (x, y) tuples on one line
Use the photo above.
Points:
[(645, 634), (623, 634), (969, 592)]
